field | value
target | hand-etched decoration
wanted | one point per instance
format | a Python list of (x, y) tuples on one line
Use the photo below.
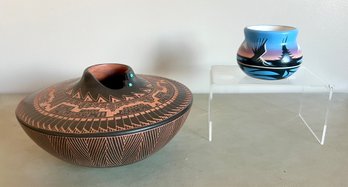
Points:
[(269, 52), (109, 117)]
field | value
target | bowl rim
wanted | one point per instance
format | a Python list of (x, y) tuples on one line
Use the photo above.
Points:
[(115, 133)]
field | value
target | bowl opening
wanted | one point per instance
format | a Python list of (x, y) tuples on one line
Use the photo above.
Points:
[(112, 76)]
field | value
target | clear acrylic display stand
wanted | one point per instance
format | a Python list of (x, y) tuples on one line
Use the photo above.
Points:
[(303, 81)]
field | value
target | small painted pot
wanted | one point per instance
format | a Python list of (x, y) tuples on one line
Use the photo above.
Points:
[(269, 52)]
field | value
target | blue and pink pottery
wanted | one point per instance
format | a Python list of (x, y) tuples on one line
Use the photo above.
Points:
[(269, 52)]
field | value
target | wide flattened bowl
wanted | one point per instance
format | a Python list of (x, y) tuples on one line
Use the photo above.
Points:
[(108, 117)]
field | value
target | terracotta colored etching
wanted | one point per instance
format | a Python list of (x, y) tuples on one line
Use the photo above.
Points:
[(158, 101), (108, 117), (49, 104), (108, 151)]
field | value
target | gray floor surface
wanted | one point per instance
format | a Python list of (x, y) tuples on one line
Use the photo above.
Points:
[(258, 140)]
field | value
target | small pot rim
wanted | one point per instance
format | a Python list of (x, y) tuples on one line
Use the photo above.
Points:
[(270, 28)]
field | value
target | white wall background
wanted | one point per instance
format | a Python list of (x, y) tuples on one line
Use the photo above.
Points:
[(45, 41)]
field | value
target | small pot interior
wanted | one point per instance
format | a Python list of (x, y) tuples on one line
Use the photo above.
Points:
[(270, 28), (110, 75)]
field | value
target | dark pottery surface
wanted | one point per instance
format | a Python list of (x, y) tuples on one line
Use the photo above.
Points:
[(108, 117)]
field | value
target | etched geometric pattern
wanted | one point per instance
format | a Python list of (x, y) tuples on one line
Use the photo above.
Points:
[(59, 109), (108, 151)]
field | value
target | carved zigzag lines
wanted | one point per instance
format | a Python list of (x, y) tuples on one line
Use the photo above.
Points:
[(99, 152), (48, 106), (77, 94), (149, 144), (98, 149), (61, 148), (108, 151), (116, 146), (79, 148), (131, 148), (157, 113)]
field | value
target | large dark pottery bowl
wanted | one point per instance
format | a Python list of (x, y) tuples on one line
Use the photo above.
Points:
[(108, 117)]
